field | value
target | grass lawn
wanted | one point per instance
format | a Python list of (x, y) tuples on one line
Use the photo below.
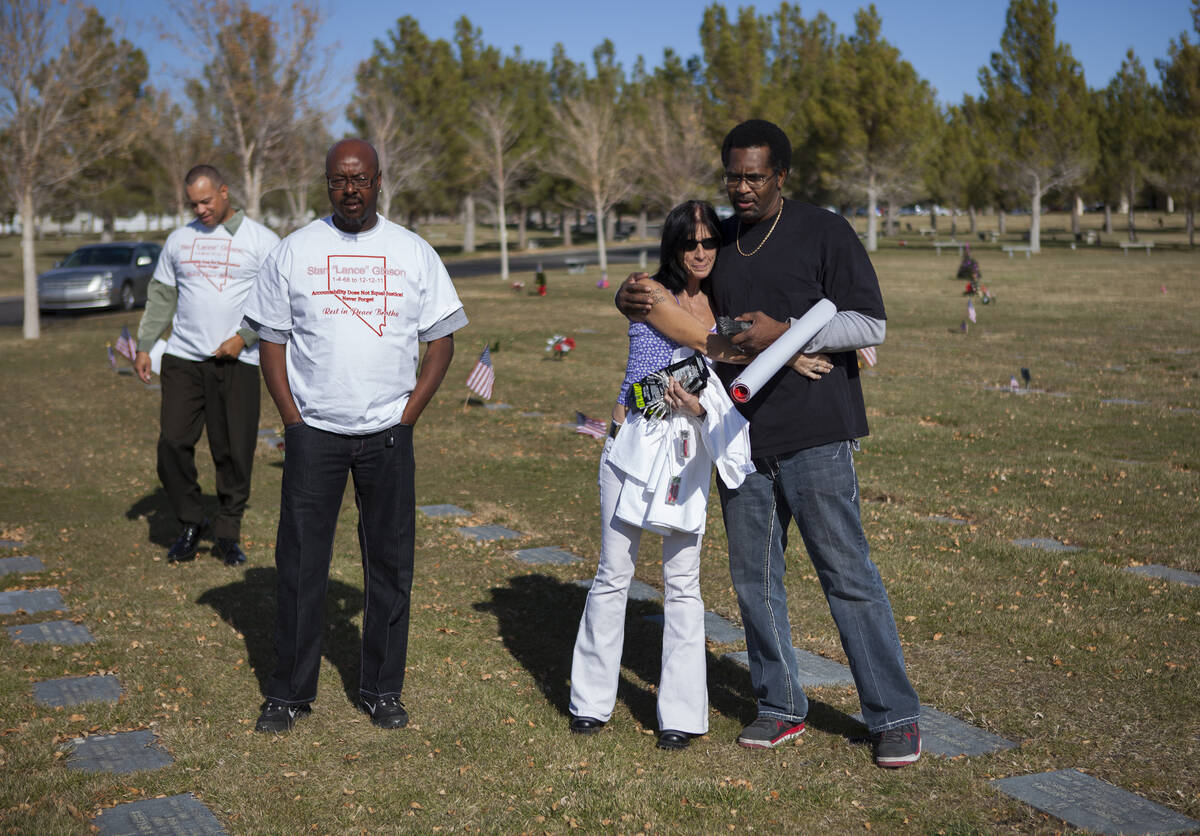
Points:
[(1082, 664)]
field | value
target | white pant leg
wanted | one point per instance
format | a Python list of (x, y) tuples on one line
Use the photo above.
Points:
[(596, 662), (683, 688)]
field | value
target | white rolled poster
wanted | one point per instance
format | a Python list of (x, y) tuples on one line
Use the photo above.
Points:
[(763, 367)]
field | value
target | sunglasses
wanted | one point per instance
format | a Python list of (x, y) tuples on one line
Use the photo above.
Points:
[(690, 244)]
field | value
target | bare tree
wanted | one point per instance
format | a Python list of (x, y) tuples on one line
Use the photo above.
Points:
[(590, 151), (684, 160), (58, 111), (405, 155), (300, 172), (493, 149), (258, 67)]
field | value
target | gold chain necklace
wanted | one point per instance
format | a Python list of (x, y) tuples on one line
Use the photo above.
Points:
[(738, 241)]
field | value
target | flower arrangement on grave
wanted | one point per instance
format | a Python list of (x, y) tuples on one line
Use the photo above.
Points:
[(540, 277), (518, 287), (559, 346)]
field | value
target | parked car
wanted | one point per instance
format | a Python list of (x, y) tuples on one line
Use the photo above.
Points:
[(99, 276)]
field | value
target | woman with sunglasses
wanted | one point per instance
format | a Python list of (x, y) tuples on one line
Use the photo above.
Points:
[(702, 430)]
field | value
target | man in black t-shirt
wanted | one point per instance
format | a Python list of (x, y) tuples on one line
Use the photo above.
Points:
[(779, 258)]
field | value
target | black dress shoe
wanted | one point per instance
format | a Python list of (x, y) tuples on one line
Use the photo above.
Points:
[(229, 551), (586, 725), (669, 739), (185, 547)]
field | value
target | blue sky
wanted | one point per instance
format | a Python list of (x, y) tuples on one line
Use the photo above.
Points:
[(947, 41)]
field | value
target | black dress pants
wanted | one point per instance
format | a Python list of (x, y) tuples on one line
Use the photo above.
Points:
[(314, 481), (222, 395)]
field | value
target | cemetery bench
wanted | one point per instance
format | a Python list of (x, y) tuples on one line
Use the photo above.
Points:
[(925, 231), (575, 265), (1017, 248), (1146, 245), (955, 244)]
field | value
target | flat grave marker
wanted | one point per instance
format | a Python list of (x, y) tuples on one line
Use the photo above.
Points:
[(77, 690), (815, 671), (950, 737), (119, 753), (487, 533), (638, 590), (1122, 402), (547, 554), (716, 628), (443, 511), (30, 601), (170, 816), (21, 563), (10, 544), (1046, 543), (51, 632), (942, 518), (495, 406), (1094, 805), (1165, 573)]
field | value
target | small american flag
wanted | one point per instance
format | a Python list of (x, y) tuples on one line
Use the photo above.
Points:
[(112, 358), (483, 375), (125, 344), (970, 310), (1013, 385), (868, 354), (590, 426)]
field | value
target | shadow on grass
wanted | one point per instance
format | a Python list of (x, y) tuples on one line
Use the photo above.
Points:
[(163, 525), (538, 617), (248, 605)]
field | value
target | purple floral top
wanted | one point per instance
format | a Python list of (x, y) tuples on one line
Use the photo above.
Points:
[(649, 351)]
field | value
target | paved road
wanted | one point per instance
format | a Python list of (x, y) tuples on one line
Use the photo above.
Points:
[(623, 259)]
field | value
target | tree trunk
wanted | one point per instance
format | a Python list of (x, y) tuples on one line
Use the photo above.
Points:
[(1129, 215), (107, 226), (1001, 222), (601, 252), (893, 224), (568, 238), (468, 244), (643, 225), (1035, 217), (872, 224), (32, 327), (933, 222), (1107, 218), (522, 228), (610, 225), (253, 184), (1191, 225), (1076, 214), (1170, 205), (502, 233)]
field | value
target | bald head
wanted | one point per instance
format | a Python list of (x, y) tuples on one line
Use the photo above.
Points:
[(352, 174), (359, 148)]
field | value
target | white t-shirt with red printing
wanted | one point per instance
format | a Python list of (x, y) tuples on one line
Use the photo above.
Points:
[(213, 271), (356, 306)]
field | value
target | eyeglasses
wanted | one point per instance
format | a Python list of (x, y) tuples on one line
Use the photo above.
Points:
[(359, 181), (690, 244), (754, 180)]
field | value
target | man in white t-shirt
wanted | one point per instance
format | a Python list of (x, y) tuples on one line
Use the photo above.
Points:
[(341, 307), (210, 368)]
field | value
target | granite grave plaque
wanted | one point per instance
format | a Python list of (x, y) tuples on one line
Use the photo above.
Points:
[(77, 690), (487, 533), (497, 406), (51, 632), (443, 511), (171, 816), (30, 601), (547, 554), (950, 737), (716, 629), (1091, 804), (119, 753), (638, 591), (815, 671), (1046, 543), (1165, 573), (21, 563)]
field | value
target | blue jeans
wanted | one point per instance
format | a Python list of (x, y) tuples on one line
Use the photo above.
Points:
[(314, 481), (818, 488)]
